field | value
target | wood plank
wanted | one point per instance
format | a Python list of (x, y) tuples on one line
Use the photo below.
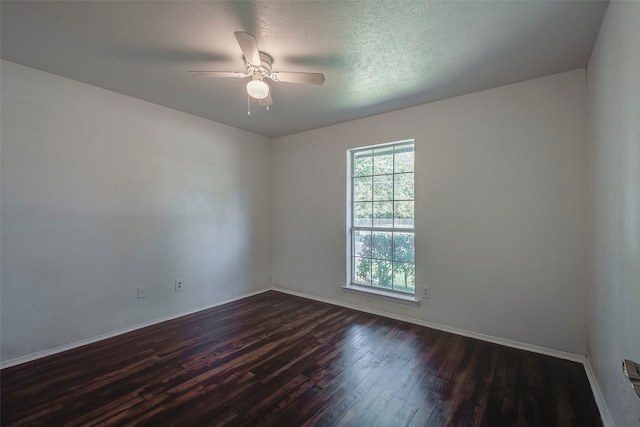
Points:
[(279, 360)]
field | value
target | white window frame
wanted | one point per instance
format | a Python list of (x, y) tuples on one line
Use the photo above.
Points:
[(370, 290)]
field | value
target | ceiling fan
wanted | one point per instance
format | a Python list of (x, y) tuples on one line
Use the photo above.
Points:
[(258, 66)]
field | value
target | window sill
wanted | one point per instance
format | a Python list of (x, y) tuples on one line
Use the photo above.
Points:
[(382, 294)]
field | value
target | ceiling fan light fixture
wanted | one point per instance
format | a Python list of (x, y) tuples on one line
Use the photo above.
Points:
[(257, 89)]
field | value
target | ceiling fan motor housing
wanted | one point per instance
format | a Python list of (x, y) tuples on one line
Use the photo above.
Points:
[(262, 70)]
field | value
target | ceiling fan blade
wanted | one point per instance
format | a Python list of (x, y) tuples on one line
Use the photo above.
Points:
[(291, 77), (249, 47), (265, 102), (216, 74)]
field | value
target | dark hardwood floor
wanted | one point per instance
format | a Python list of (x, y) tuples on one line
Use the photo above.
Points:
[(280, 360)]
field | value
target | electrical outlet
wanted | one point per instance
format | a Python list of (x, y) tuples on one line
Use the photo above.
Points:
[(178, 285), (140, 293), (426, 292)]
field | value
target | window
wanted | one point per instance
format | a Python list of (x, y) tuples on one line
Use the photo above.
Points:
[(381, 218)]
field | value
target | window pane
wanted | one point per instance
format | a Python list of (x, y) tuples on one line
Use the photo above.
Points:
[(383, 160), (383, 187), (403, 217), (403, 186), (362, 271), (404, 277), (381, 245), (362, 163), (403, 247), (382, 274), (362, 243), (362, 214), (403, 159), (362, 188), (382, 214)]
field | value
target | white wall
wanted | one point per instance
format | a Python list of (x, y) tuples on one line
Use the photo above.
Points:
[(614, 139), (102, 193), (500, 211)]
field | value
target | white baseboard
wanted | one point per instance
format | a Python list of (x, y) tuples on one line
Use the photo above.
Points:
[(597, 395), (59, 349), (496, 340)]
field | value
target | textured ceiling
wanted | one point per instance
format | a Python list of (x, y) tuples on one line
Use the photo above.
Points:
[(377, 56)]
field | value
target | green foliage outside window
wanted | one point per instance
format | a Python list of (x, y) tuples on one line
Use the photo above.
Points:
[(391, 264)]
